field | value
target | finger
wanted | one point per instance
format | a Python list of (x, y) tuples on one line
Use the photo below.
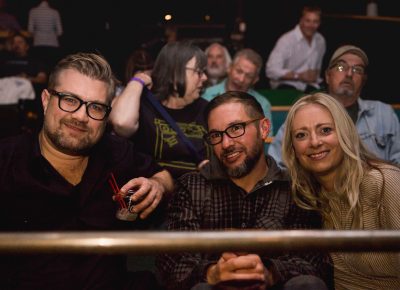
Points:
[(155, 196), (243, 276), (141, 186), (133, 183), (150, 208), (142, 192), (228, 255), (243, 262), (241, 253), (144, 201)]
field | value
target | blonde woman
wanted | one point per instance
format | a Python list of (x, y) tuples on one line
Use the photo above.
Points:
[(333, 172)]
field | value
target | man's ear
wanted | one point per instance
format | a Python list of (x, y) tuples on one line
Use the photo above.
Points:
[(45, 100), (365, 78), (265, 125)]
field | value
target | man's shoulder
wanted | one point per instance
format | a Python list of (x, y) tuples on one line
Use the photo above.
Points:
[(115, 147), (377, 108), (211, 92), (19, 148), (193, 178), (259, 97), (319, 37), (376, 103), (200, 182), (288, 35), (17, 142)]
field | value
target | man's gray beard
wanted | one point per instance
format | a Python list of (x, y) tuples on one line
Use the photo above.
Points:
[(344, 93), (216, 72), (247, 165)]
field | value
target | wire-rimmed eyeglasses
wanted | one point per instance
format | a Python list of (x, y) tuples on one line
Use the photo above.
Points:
[(200, 72), (342, 66)]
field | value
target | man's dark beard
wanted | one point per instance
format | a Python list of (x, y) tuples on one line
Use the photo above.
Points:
[(247, 165)]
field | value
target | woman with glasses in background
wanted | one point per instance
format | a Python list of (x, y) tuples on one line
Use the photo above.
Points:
[(176, 82)]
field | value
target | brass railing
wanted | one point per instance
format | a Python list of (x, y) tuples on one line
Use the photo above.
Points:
[(210, 241)]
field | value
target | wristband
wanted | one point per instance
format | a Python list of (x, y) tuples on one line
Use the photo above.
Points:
[(138, 80)]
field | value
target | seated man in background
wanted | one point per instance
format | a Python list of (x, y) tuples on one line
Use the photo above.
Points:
[(243, 74), (296, 60), (20, 63), (240, 188), (18, 67), (218, 62), (60, 180), (376, 122)]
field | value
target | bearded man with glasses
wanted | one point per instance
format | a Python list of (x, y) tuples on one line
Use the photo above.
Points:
[(240, 188), (376, 122), (59, 180)]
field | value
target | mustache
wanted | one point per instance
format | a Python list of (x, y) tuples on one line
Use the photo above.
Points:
[(76, 123), (225, 152), (348, 81), (228, 150)]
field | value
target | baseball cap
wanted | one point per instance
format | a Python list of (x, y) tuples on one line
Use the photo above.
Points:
[(348, 49)]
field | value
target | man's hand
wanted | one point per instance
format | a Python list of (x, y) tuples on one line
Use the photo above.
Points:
[(148, 191), (309, 76), (240, 267)]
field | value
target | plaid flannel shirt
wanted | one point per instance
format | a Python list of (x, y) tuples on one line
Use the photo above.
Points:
[(203, 202)]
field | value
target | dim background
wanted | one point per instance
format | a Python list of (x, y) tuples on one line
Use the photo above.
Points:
[(114, 28)]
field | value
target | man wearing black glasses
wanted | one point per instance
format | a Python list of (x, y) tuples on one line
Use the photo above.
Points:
[(240, 188), (65, 177)]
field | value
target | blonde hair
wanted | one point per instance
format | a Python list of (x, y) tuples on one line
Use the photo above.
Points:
[(306, 189)]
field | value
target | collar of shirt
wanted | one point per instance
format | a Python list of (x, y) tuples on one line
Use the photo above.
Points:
[(300, 37), (364, 106)]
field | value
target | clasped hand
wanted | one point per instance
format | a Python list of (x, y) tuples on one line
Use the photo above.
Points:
[(240, 267)]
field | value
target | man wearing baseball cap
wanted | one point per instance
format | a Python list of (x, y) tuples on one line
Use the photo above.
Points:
[(376, 122)]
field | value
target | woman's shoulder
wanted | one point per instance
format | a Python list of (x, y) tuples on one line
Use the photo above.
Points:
[(382, 177), (383, 170), (201, 102), (197, 107)]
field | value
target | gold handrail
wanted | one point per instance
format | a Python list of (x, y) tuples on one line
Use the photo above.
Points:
[(209, 241)]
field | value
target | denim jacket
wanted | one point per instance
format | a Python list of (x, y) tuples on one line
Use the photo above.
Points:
[(378, 126), (379, 129)]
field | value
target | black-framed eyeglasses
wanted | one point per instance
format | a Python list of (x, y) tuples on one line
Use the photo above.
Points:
[(71, 103), (199, 71), (342, 66), (233, 131)]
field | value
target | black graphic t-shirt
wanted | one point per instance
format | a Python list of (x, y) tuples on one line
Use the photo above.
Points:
[(156, 137)]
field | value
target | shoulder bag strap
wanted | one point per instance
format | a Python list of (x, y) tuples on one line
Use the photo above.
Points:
[(172, 123)]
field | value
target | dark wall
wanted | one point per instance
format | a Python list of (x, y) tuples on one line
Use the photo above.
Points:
[(378, 39)]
